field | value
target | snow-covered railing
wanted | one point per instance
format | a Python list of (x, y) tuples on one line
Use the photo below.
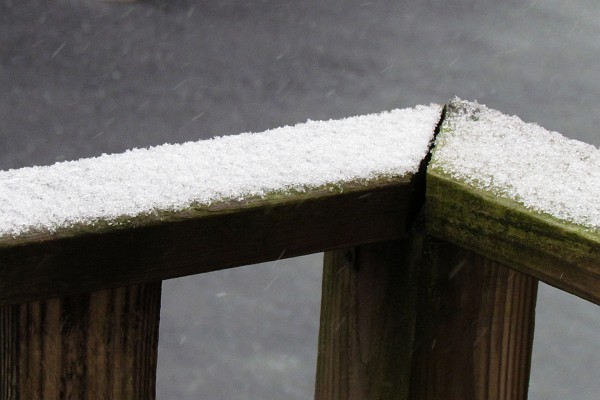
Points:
[(441, 316), (504, 193), (416, 303), (518, 194)]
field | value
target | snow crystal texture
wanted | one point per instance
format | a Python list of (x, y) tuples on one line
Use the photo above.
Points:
[(544, 171), (176, 176)]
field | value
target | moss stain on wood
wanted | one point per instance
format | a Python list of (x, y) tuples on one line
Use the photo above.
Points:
[(559, 253)]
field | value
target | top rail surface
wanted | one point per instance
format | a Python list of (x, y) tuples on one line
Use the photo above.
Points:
[(175, 210)]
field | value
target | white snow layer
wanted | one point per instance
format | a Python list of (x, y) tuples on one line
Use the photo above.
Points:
[(176, 176), (544, 171)]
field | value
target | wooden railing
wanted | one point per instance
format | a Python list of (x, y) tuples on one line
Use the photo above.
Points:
[(429, 288)]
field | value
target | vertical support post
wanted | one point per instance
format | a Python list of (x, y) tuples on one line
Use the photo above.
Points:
[(101, 345), (367, 322), (475, 323)]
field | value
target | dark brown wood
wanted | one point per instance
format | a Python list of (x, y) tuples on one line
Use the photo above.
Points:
[(8, 352), (367, 322), (475, 323), (198, 240), (91, 347)]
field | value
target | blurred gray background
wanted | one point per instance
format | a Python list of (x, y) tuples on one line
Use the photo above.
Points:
[(79, 78)]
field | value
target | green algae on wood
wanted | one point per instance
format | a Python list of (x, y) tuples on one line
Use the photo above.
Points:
[(559, 252)]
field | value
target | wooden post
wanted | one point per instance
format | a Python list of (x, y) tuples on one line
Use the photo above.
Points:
[(101, 345), (404, 321), (475, 324), (367, 323)]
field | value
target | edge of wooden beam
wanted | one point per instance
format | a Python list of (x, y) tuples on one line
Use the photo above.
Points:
[(223, 235), (559, 253)]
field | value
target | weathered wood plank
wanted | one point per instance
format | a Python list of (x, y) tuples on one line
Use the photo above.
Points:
[(482, 212), (101, 345), (474, 330), (221, 236), (555, 252), (367, 322)]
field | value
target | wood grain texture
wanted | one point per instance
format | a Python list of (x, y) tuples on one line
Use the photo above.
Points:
[(9, 354), (474, 330), (367, 323), (91, 347), (88, 259), (561, 254)]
